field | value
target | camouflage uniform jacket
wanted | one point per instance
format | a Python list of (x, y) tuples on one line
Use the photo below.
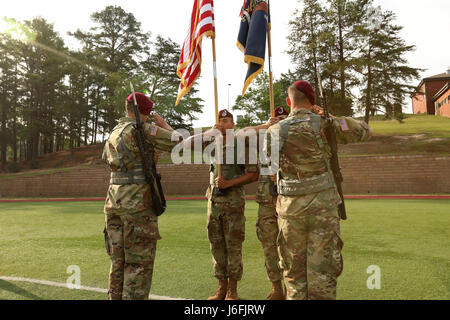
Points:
[(119, 152), (230, 171), (300, 156)]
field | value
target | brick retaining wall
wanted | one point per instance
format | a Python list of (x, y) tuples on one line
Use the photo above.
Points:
[(418, 174)]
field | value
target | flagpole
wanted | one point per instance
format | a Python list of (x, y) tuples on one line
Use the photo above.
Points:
[(269, 44), (216, 98), (216, 101)]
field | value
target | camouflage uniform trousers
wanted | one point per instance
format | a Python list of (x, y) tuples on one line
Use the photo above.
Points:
[(310, 250), (267, 233), (226, 233), (131, 244)]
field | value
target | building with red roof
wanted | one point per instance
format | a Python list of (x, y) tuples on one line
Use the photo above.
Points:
[(432, 96)]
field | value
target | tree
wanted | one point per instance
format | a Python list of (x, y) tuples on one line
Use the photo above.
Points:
[(342, 16), (359, 52), (303, 40), (322, 36), (118, 42), (41, 62), (382, 65), (159, 72), (256, 101), (52, 98), (7, 78)]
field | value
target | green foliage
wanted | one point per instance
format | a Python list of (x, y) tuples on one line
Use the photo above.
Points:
[(116, 38), (159, 72), (358, 48), (34, 164), (13, 167), (382, 66), (256, 102), (53, 98), (246, 121)]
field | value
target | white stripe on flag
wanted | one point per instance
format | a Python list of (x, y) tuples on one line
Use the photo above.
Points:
[(202, 23)]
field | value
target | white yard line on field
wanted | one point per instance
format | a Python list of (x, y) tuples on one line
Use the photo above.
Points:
[(64, 285)]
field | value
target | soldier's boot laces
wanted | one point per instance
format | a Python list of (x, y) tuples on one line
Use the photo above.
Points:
[(232, 290), (277, 292), (221, 291)]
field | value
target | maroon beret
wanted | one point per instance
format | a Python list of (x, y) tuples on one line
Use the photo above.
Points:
[(307, 89), (225, 114), (144, 103), (280, 111)]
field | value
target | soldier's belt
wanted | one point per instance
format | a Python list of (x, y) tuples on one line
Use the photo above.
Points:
[(264, 178), (301, 187), (135, 176), (230, 188), (212, 178)]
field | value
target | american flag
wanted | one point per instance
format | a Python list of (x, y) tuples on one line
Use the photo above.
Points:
[(189, 65)]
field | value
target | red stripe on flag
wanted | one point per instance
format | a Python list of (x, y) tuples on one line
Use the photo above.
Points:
[(189, 68)]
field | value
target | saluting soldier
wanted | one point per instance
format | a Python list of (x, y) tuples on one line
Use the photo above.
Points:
[(267, 225), (131, 230), (226, 205), (309, 242)]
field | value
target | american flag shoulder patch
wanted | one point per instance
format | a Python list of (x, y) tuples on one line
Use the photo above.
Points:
[(344, 125), (153, 130)]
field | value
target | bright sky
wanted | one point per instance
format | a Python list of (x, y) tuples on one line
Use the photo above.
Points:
[(426, 24)]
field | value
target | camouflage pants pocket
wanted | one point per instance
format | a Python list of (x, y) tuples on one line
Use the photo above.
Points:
[(258, 231), (113, 233), (114, 247), (225, 224), (140, 236), (234, 230), (107, 245), (214, 226), (267, 234), (216, 239), (336, 257), (280, 243), (267, 224), (234, 224)]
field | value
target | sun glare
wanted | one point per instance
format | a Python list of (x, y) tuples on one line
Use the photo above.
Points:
[(3, 25), (16, 30)]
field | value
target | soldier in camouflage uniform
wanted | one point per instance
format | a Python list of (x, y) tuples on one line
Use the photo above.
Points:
[(226, 219), (309, 241), (267, 225), (131, 230)]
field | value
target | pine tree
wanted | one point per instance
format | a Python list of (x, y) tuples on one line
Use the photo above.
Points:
[(118, 42), (382, 65), (159, 72)]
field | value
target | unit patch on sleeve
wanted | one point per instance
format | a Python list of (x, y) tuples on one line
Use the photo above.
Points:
[(344, 125), (153, 130)]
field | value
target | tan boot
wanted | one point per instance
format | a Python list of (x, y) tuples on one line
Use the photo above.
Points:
[(232, 290), (277, 292), (221, 291)]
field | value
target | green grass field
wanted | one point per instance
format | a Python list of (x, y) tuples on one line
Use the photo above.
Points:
[(407, 239), (433, 126)]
